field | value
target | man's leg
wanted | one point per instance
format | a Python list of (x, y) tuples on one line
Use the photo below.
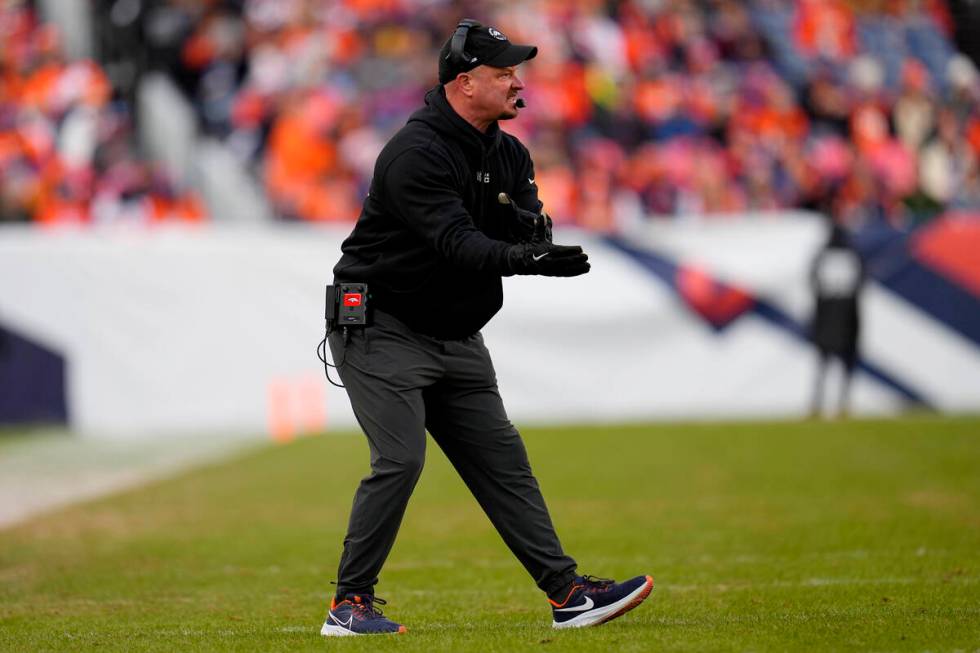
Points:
[(387, 401), (816, 405), (466, 417), (848, 363)]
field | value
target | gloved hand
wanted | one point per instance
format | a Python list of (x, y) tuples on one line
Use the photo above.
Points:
[(548, 259), (529, 227), (542, 228)]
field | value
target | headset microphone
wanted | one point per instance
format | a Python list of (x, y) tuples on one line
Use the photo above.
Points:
[(520, 103)]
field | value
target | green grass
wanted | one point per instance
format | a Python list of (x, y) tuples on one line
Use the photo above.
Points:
[(855, 535)]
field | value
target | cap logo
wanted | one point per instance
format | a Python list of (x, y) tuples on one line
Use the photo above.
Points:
[(495, 34)]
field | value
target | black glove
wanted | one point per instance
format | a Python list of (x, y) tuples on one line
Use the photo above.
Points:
[(529, 227), (548, 260), (542, 228)]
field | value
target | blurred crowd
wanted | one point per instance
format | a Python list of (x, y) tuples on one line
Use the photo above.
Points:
[(68, 155), (637, 109)]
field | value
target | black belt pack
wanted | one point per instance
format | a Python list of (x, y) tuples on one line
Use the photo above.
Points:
[(348, 305)]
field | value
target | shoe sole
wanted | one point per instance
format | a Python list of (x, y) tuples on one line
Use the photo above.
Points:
[(611, 611), (330, 630)]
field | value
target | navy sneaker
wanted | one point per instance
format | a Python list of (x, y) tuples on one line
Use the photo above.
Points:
[(593, 601), (357, 614)]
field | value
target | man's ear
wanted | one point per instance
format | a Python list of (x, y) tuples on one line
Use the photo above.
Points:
[(465, 83)]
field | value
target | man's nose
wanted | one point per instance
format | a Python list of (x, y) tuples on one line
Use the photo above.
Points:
[(517, 83)]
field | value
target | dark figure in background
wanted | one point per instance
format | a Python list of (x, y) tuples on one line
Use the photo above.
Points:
[(453, 207), (836, 277)]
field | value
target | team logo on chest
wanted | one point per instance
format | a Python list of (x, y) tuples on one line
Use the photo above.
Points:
[(482, 177)]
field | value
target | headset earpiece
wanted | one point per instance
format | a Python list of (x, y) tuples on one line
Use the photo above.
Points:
[(456, 49)]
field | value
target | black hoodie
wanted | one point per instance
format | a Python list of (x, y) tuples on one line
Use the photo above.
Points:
[(432, 240)]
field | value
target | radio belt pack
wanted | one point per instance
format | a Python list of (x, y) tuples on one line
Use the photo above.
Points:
[(348, 305)]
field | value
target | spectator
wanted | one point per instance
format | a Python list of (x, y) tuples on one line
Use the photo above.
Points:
[(64, 138), (711, 106)]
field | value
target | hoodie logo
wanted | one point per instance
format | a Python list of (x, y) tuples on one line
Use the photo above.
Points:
[(483, 177), (495, 34)]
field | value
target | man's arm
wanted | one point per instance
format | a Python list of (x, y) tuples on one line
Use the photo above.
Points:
[(525, 192), (527, 216), (419, 188)]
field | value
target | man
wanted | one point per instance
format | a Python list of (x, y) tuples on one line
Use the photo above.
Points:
[(836, 277), (435, 236)]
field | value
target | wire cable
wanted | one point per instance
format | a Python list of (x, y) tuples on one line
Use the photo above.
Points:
[(321, 353)]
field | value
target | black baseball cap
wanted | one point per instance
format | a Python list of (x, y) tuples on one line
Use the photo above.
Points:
[(486, 46)]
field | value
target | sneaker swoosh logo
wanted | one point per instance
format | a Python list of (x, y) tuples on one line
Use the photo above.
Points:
[(539, 256), (347, 625), (578, 608)]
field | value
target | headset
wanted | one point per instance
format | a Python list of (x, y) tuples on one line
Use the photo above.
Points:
[(456, 51)]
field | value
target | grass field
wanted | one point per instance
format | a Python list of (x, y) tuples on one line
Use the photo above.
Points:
[(854, 535)]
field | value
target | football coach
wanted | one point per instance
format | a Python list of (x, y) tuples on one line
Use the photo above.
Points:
[(452, 208)]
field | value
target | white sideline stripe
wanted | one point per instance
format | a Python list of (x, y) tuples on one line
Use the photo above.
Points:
[(668, 561), (819, 582), (722, 587), (49, 470)]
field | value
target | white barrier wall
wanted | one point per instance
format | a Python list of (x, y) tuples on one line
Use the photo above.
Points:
[(214, 329)]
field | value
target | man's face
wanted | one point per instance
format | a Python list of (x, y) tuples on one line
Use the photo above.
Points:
[(495, 92)]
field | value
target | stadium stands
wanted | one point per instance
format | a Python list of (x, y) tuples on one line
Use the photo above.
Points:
[(663, 108), (67, 152), (636, 109)]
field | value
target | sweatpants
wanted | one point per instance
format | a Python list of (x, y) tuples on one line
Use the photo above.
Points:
[(402, 383)]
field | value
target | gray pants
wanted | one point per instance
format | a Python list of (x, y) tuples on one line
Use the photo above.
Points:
[(400, 384)]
